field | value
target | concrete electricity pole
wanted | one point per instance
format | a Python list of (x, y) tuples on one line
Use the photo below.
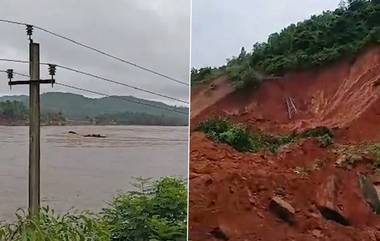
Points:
[(34, 118)]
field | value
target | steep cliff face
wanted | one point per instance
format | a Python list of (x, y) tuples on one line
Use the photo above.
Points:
[(343, 96)]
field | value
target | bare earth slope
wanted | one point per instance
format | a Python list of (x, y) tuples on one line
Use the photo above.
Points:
[(232, 193), (342, 96)]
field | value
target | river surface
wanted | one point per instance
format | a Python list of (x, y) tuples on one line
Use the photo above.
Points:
[(84, 173)]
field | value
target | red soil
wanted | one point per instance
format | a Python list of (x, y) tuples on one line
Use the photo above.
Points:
[(202, 96), (231, 191), (343, 96)]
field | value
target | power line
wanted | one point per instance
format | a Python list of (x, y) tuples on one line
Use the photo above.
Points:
[(12, 22), (122, 98), (15, 61), (100, 52), (24, 75), (120, 83), (106, 95), (102, 78)]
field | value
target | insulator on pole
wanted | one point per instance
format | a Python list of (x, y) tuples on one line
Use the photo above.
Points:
[(10, 77), (10, 74), (29, 31), (52, 69)]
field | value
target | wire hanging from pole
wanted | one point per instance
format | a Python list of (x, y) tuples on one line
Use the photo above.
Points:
[(99, 51)]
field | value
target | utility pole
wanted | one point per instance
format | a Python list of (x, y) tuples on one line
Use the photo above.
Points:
[(34, 129), (34, 119)]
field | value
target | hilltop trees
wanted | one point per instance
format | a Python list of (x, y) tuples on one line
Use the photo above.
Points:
[(318, 41), (321, 39)]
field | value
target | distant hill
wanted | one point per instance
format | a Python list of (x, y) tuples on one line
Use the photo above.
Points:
[(78, 107)]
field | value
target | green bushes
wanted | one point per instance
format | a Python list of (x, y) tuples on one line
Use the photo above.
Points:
[(242, 75), (156, 211), (205, 74), (240, 138), (320, 40), (222, 131)]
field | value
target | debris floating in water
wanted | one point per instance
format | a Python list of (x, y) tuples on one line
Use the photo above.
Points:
[(95, 135)]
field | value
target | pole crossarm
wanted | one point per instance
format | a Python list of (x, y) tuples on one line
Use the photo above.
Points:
[(27, 82)]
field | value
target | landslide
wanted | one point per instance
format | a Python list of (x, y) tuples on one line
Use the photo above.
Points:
[(231, 193), (343, 97)]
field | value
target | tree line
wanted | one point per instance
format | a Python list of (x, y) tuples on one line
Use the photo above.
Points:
[(318, 41), (17, 111)]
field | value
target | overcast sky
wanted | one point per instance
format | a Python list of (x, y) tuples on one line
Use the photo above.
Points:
[(222, 27), (152, 33)]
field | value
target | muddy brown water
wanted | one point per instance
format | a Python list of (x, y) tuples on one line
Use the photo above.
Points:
[(83, 172)]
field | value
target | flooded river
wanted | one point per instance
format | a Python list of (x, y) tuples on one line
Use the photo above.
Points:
[(84, 172)]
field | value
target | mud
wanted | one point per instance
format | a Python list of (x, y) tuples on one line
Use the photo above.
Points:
[(344, 97), (231, 192)]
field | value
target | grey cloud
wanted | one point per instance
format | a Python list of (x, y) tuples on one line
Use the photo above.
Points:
[(152, 33), (222, 27)]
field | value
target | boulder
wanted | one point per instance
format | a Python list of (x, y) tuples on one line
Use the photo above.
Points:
[(282, 209), (218, 233), (369, 193), (326, 200)]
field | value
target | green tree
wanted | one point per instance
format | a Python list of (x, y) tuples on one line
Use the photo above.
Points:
[(156, 211)]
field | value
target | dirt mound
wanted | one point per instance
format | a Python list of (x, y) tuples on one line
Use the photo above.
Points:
[(231, 194), (206, 95), (344, 96), (303, 192)]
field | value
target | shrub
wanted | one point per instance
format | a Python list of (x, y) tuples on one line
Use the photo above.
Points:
[(204, 74), (317, 132), (222, 131), (326, 140), (240, 138), (157, 212)]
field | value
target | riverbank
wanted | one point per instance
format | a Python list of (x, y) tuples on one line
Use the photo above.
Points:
[(85, 172)]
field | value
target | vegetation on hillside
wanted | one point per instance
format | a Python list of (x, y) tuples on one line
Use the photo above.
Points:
[(17, 111), (57, 108), (204, 74), (133, 118), (318, 41), (244, 140), (156, 212), (13, 110)]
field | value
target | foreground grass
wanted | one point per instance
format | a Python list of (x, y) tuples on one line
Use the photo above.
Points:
[(155, 212), (243, 140)]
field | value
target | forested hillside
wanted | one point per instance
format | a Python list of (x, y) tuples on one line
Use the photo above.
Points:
[(318, 41), (108, 110)]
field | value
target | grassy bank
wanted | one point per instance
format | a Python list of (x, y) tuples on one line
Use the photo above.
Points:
[(155, 211)]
